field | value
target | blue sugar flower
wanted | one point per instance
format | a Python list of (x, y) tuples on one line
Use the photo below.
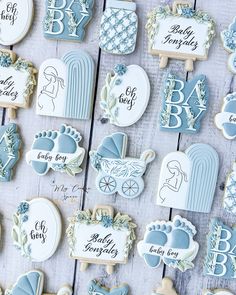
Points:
[(107, 221), (23, 208), (5, 60), (120, 69), (187, 12)]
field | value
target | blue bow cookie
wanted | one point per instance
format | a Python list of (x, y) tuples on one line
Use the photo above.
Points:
[(95, 288)]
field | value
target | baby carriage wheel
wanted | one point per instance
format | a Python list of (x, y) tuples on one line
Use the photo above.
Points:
[(132, 188), (106, 184)]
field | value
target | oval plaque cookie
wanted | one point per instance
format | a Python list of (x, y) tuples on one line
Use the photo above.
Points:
[(125, 96), (37, 229), (15, 20)]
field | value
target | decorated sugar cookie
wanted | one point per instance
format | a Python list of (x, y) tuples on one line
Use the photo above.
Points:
[(171, 242), (217, 292), (67, 19), (57, 150), (181, 33), (16, 83), (15, 20), (226, 119), (116, 173), (31, 283), (166, 288), (100, 237), (65, 86), (184, 104), (95, 288), (221, 256), (188, 179), (125, 95), (36, 229), (119, 26), (230, 191), (228, 38), (10, 143)]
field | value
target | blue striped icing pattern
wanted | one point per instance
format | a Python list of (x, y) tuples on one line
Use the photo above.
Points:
[(205, 166), (80, 81)]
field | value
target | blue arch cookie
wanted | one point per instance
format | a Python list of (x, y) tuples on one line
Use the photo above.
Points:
[(9, 150), (67, 19), (170, 242), (94, 288)]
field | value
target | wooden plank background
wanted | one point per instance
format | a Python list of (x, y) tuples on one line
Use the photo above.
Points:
[(80, 192)]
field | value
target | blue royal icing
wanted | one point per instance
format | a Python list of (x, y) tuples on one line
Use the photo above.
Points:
[(119, 26), (170, 242), (230, 192), (184, 104), (226, 119), (116, 173), (67, 19), (9, 150), (94, 288), (220, 260)]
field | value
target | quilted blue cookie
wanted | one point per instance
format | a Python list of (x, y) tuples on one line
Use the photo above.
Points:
[(119, 26), (95, 288), (9, 150), (67, 19), (184, 104)]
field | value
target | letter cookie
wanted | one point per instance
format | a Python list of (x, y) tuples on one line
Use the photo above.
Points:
[(66, 86), (217, 292), (188, 179), (16, 83), (230, 192), (10, 143), (116, 173), (181, 33), (67, 19), (94, 288), (184, 104), (171, 242), (220, 260), (119, 26), (57, 150), (226, 119), (37, 229), (100, 237), (125, 96), (31, 283), (15, 20), (166, 288), (228, 38)]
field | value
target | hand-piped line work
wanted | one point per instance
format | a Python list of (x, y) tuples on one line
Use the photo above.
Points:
[(116, 173), (95, 288)]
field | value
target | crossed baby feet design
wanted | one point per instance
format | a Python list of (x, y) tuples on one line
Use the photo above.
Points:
[(63, 141), (177, 234)]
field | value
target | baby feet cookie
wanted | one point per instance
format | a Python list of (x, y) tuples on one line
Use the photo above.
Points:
[(10, 143), (16, 19), (95, 288), (225, 120), (230, 191), (32, 282), (183, 104), (188, 179), (166, 288), (17, 81), (119, 26), (66, 86), (125, 95), (36, 229), (67, 19), (116, 173), (100, 237), (171, 242), (217, 292), (57, 150), (181, 33), (228, 38), (221, 245)]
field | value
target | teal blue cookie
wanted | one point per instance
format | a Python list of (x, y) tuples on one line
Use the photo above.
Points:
[(9, 150), (94, 288)]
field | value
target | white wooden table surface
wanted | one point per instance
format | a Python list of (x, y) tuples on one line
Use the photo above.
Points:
[(144, 134)]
